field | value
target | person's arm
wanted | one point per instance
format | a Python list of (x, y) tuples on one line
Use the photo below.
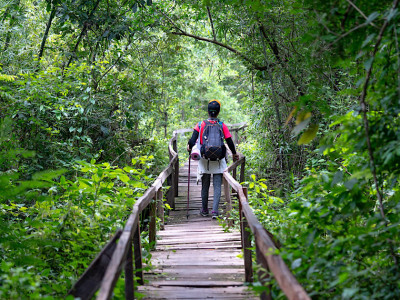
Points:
[(193, 139), (231, 145), (229, 141)]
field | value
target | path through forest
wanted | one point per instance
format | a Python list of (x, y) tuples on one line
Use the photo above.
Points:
[(195, 258)]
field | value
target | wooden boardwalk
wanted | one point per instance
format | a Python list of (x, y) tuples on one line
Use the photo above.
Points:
[(195, 258)]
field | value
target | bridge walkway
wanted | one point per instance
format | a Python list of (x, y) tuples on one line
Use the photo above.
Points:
[(194, 257)]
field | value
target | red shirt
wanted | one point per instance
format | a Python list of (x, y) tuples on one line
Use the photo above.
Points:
[(225, 129)]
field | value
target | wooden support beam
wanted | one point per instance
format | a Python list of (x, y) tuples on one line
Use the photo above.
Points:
[(242, 169), (129, 284), (137, 248), (176, 167), (228, 199), (152, 224), (246, 237), (171, 192), (236, 137), (234, 171), (160, 208)]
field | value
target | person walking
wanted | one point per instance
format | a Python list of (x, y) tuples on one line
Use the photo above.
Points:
[(209, 135)]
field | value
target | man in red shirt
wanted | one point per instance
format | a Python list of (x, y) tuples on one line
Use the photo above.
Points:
[(207, 167)]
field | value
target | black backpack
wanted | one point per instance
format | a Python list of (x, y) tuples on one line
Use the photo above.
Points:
[(213, 147)]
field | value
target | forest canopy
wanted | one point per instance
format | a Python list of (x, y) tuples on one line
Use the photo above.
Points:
[(91, 91)]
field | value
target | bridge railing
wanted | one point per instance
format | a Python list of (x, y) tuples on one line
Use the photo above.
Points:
[(124, 251), (265, 245)]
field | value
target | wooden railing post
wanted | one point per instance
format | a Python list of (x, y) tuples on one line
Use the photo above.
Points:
[(246, 244), (176, 168), (171, 191), (242, 168), (228, 200), (236, 137), (129, 284), (171, 183), (152, 223), (137, 247), (160, 208)]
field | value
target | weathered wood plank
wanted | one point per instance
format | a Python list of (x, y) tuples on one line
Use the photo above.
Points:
[(174, 292), (196, 283)]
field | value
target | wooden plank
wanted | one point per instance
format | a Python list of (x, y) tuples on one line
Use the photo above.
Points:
[(210, 245), (132, 220), (178, 241), (197, 283), (143, 201), (176, 292), (90, 281)]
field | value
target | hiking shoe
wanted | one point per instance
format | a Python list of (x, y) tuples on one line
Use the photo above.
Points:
[(214, 214), (204, 213)]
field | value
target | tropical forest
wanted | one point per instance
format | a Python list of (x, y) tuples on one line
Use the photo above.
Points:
[(92, 91)]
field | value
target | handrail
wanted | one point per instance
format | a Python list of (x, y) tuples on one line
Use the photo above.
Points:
[(105, 270), (265, 246)]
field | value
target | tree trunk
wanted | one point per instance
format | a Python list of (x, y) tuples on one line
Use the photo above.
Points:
[(83, 32), (46, 33), (12, 21)]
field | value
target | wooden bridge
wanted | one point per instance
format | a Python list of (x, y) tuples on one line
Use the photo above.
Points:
[(193, 258)]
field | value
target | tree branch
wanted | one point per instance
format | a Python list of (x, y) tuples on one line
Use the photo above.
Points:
[(212, 24), (46, 33), (275, 50), (361, 13), (249, 60), (364, 111)]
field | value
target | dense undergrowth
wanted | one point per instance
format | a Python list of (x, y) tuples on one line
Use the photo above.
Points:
[(90, 92)]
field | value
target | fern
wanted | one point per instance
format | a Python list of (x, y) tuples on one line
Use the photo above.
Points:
[(7, 78)]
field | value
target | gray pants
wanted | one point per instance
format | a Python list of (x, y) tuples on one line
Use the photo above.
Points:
[(205, 187)]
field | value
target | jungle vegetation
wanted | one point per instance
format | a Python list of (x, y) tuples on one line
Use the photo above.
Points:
[(90, 92)]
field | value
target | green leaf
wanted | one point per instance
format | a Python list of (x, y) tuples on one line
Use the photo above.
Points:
[(124, 178), (372, 17), (338, 177), (308, 135), (349, 292), (368, 39), (368, 63), (296, 130), (296, 263)]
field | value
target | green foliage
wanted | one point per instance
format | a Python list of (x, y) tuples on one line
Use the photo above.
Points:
[(52, 227)]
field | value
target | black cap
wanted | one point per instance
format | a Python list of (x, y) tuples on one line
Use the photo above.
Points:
[(213, 108)]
